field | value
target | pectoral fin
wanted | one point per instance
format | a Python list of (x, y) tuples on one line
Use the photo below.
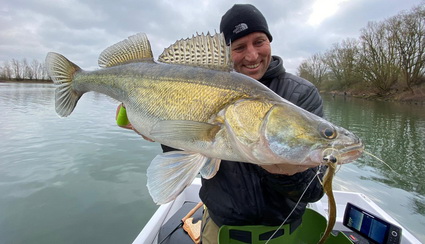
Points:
[(171, 172)]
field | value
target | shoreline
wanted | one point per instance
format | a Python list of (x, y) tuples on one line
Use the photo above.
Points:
[(416, 96), (28, 81)]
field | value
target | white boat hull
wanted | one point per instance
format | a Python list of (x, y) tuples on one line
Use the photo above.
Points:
[(149, 234)]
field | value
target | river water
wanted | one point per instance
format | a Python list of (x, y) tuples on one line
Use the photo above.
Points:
[(82, 179)]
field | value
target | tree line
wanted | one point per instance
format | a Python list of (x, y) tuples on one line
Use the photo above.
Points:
[(389, 54), (23, 70)]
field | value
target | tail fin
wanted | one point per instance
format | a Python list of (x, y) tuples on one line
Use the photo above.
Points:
[(62, 71)]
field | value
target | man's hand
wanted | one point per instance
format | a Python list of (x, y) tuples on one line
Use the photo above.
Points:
[(285, 169)]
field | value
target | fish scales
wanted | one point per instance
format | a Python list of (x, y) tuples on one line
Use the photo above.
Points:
[(157, 89)]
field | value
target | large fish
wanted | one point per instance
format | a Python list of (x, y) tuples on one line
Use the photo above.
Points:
[(191, 100)]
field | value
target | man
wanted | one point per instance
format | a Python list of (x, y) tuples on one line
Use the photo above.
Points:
[(248, 194), (244, 193)]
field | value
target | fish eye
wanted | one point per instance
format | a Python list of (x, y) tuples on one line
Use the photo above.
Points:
[(327, 131)]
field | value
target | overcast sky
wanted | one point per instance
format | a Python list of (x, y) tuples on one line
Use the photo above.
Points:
[(82, 29)]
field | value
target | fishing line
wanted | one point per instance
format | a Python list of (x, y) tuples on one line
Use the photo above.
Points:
[(162, 223), (293, 209), (382, 161)]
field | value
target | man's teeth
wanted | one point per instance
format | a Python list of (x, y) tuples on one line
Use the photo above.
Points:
[(252, 66)]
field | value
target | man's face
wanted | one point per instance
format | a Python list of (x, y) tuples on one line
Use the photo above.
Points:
[(251, 54)]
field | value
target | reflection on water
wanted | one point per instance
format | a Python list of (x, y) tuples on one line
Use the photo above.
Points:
[(81, 179), (393, 132)]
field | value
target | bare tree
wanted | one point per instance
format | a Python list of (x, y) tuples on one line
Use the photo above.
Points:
[(378, 62), (7, 71), (35, 69), (28, 71), (408, 33), (43, 71), (17, 69), (342, 61), (313, 69)]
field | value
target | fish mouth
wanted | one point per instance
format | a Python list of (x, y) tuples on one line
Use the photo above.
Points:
[(343, 155), (353, 148)]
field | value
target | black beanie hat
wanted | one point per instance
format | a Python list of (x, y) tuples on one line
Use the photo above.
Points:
[(241, 20)]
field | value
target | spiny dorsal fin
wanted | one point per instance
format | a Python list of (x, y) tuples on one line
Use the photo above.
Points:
[(135, 48), (200, 50)]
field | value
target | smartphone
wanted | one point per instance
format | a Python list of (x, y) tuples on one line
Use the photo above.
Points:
[(370, 226)]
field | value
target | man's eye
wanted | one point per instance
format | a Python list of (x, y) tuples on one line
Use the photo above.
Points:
[(259, 43)]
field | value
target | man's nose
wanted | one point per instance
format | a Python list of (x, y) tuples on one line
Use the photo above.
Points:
[(251, 53)]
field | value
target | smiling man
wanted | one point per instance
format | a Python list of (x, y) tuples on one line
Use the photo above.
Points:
[(248, 194), (251, 54)]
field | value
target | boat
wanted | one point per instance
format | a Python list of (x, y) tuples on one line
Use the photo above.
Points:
[(150, 234)]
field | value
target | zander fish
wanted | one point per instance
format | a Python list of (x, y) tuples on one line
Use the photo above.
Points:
[(192, 100)]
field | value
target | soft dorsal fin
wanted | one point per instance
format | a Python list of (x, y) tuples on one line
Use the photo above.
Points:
[(135, 48), (201, 50)]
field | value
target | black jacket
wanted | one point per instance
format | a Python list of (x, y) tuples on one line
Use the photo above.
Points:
[(246, 194)]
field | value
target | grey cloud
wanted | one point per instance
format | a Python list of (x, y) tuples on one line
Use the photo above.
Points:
[(82, 29)]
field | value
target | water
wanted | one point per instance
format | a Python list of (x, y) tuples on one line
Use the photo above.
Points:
[(82, 179), (79, 179), (395, 133)]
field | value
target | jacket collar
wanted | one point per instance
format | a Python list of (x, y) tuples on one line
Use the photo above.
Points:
[(275, 69)]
